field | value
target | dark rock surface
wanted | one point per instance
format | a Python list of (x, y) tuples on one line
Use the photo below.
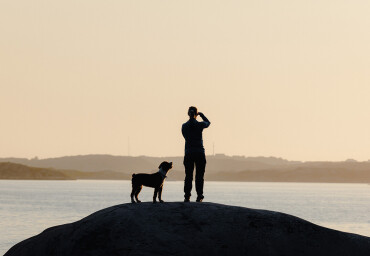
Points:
[(190, 229)]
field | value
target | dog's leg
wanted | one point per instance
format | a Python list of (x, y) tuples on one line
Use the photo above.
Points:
[(155, 195), (132, 194), (134, 187), (160, 194), (137, 194)]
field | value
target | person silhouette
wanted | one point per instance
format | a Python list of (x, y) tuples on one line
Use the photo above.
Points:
[(194, 153)]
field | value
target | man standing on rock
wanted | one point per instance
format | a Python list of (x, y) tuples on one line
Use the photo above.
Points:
[(194, 153)]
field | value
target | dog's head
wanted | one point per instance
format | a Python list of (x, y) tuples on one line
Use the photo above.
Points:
[(166, 166)]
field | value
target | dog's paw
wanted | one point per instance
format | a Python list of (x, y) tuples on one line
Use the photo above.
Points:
[(138, 201), (133, 202), (161, 201), (154, 202)]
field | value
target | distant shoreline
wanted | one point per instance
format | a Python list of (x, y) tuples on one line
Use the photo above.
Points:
[(244, 181), (219, 168)]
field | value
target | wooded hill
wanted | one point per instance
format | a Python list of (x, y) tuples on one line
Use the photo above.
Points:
[(219, 168)]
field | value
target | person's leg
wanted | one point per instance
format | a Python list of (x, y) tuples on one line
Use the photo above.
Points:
[(189, 169), (200, 164)]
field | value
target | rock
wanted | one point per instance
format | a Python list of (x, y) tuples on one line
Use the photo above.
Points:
[(190, 229)]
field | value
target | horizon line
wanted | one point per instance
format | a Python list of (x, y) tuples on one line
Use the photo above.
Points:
[(210, 155)]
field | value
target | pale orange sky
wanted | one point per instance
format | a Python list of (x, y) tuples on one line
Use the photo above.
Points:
[(276, 78)]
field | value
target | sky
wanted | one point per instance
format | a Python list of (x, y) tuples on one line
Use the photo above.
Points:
[(285, 78)]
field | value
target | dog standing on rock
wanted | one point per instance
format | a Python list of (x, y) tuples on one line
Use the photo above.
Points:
[(154, 180)]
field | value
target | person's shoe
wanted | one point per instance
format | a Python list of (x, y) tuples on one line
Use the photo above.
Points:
[(186, 200), (200, 199)]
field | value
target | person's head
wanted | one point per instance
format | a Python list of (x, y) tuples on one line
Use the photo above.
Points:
[(192, 112)]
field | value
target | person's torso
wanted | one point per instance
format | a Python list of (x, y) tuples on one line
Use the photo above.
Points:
[(192, 131)]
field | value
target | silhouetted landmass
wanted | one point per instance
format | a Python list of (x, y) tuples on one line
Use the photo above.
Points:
[(126, 164), (190, 229), (19, 171), (219, 168), (12, 171)]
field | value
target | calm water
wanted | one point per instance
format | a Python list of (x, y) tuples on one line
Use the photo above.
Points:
[(29, 207)]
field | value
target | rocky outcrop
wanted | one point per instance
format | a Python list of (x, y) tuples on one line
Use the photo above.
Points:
[(190, 229)]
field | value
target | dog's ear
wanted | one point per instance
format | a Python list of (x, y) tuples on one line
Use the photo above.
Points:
[(171, 164), (160, 166)]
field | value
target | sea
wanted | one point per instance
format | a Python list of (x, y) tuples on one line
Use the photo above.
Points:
[(29, 207)]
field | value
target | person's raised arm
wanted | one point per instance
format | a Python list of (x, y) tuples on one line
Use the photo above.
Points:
[(205, 119)]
